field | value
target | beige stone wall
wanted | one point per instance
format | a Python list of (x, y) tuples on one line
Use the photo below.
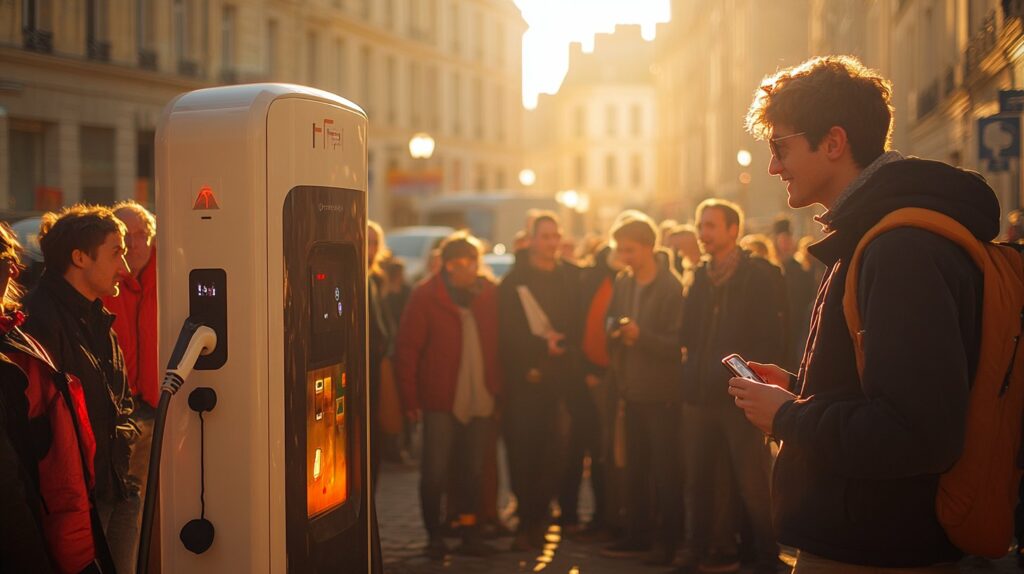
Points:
[(399, 59)]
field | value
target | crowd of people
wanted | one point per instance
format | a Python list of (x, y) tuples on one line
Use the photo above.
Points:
[(611, 366), (607, 365), (78, 388)]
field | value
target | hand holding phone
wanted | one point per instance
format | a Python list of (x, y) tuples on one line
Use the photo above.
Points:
[(738, 367)]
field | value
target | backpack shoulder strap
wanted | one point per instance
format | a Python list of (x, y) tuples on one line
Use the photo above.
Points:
[(926, 219)]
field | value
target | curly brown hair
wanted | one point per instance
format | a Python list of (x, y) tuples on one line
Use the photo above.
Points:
[(824, 92), (82, 227)]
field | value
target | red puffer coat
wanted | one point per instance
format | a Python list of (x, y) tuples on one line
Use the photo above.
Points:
[(66, 474), (428, 351)]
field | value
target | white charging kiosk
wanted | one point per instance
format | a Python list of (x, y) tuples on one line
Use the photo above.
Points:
[(262, 206)]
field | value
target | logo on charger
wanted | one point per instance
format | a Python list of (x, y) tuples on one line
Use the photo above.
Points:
[(205, 199), (325, 135)]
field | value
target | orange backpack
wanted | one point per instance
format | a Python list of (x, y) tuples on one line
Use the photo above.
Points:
[(977, 496)]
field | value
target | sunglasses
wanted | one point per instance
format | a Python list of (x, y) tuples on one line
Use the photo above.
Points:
[(773, 144)]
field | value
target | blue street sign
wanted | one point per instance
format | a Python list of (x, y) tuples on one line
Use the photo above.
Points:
[(999, 140)]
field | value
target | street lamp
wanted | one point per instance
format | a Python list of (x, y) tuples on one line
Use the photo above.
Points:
[(421, 146), (744, 158), (527, 177), (569, 198)]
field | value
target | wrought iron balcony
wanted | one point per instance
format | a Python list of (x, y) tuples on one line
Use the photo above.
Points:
[(981, 45), (148, 59), (37, 40), (188, 68), (928, 99), (97, 50)]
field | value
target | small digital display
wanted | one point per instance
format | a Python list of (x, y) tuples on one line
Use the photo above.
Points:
[(328, 305), (206, 289)]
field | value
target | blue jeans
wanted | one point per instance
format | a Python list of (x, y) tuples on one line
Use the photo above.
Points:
[(443, 435)]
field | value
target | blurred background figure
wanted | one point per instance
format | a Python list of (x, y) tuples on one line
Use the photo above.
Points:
[(801, 288)]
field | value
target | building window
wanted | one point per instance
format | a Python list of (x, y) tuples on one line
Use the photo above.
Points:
[(478, 35), (581, 121), (636, 120), (581, 171), (144, 31), (499, 43), (433, 98), (366, 67), (481, 178), (416, 94), (182, 44), (270, 64), (32, 159), (227, 44), (389, 13), (611, 120), (340, 65), (96, 150), (456, 100), (312, 64), (145, 168), (637, 171), (610, 175), (390, 68), (456, 28), (499, 113), (477, 105), (35, 14), (96, 20)]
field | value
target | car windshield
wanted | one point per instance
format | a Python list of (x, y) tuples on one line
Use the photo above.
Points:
[(407, 246)]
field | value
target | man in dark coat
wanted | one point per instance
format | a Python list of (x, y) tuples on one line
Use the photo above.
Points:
[(538, 317), (737, 305), (857, 475), (83, 249), (644, 320)]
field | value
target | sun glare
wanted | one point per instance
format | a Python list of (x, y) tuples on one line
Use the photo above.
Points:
[(554, 24)]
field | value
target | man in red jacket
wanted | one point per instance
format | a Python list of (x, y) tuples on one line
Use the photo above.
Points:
[(135, 323), (135, 306), (447, 368)]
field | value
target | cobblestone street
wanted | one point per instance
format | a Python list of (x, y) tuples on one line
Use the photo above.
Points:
[(403, 541)]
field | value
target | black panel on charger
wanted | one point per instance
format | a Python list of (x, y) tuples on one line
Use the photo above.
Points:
[(208, 304)]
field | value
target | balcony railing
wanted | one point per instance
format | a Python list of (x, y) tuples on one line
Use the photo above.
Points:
[(148, 59), (981, 45), (928, 99), (188, 68), (37, 40), (949, 81), (97, 50), (1013, 9)]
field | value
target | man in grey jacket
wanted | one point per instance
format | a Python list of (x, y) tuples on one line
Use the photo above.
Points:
[(644, 322)]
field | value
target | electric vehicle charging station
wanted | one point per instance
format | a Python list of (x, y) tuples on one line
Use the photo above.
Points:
[(262, 205)]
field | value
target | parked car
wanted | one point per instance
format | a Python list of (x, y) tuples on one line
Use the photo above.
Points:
[(499, 264), (27, 231), (413, 245)]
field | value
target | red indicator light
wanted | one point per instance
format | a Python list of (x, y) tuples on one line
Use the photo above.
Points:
[(321, 276), (206, 199)]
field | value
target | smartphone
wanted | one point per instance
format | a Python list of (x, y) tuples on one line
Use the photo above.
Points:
[(738, 367)]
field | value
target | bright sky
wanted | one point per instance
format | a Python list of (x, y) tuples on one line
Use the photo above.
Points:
[(554, 24)]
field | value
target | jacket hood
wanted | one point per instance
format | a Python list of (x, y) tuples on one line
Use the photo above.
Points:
[(957, 193)]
